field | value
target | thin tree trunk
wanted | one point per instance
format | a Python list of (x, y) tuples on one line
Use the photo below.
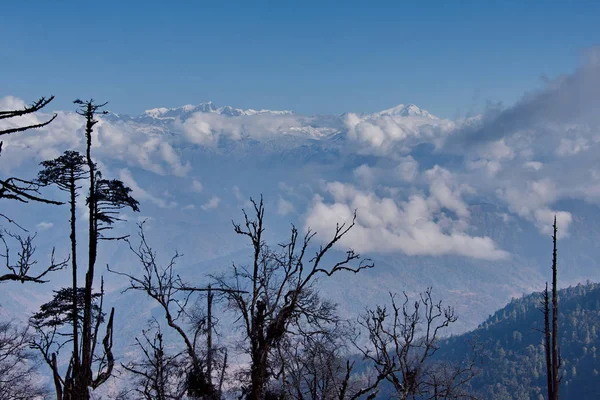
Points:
[(56, 377), (209, 344), (86, 359), (76, 364), (555, 359), (547, 338), (222, 377)]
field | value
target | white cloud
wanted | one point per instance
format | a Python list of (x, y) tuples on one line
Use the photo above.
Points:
[(539, 151), (532, 203), (206, 129), (241, 198), (490, 157), (570, 147), (544, 219), (141, 146), (498, 150), (211, 204), (44, 226), (237, 193), (196, 186), (446, 191), (407, 169), (136, 144), (284, 207), (535, 165), (569, 101), (491, 167), (386, 135), (39, 144), (365, 174), (141, 194), (172, 158), (527, 157), (416, 226)]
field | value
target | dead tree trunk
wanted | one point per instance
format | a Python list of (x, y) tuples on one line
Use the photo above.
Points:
[(555, 349), (547, 340), (209, 342), (551, 333), (73, 237)]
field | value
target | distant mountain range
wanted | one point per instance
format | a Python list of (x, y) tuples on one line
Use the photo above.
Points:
[(209, 107), (401, 110), (471, 220)]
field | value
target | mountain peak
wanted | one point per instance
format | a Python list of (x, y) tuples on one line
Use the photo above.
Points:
[(405, 110)]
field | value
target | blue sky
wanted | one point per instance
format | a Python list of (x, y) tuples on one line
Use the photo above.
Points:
[(311, 57)]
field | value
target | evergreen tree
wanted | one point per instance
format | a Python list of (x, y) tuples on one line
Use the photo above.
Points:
[(79, 307)]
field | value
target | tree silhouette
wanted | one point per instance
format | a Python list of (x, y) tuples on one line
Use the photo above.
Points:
[(18, 365), (65, 172), (83, 312), (553, 360), (157, 373), (20, 268), (35, 107), (166, 287), (402, 341), (317, 366), (16, 371), (18, 189), (275, 296)]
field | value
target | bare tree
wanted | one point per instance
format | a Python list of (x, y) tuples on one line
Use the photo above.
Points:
[(33, 108), (20, 266), (23, 191), (157, 373), (555, 349), (276, 297), (165, 286), (318, 367), (15, 188), (401, 344), (18, 365)]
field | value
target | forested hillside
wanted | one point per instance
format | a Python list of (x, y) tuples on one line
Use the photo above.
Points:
[(511, 351)]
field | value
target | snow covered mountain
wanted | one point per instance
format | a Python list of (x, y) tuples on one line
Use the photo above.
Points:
[(401, 110), (208, 107)]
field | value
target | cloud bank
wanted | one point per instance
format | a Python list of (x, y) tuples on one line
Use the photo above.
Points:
[(411, 176)]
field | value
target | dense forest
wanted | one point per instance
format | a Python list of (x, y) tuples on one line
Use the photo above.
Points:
[(511, 359)]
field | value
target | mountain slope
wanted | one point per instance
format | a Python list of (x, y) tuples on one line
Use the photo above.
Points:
[(512, 352)]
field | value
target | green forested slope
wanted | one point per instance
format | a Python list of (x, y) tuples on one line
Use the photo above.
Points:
[(511, 352)]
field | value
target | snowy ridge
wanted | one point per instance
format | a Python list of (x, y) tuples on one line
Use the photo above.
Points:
[(208, 107)]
